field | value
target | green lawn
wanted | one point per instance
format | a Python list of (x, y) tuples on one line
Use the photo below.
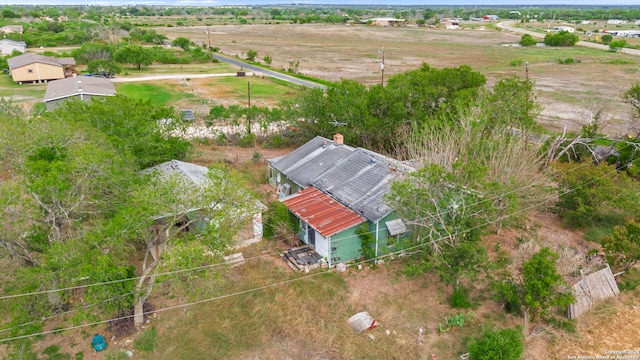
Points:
[(161, 94)]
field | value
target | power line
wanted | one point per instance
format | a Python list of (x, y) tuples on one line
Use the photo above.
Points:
[(204, 267), (305, 276)]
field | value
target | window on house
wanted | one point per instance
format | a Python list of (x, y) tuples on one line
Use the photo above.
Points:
[(30, 71)]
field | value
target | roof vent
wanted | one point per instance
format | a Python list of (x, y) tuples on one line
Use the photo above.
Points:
[(372, 160), (324, 144)]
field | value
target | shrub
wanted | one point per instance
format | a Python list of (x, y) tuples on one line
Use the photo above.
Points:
[(278, 222), (617, 45), (247, 140), (562, 38), (498, 344), (527, 40), (518, 62), (606, 39)]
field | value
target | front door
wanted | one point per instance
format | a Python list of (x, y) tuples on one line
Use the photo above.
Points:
[(311, 236)]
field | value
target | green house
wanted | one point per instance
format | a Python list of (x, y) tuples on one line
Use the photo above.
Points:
[(335, 190)]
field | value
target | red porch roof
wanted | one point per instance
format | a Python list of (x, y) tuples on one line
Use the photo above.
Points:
[(322, 212)]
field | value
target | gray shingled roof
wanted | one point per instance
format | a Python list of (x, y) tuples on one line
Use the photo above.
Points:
[(361, 180), (15, 43), (77, 85), (193, 173), (29, 58), (310, 160)]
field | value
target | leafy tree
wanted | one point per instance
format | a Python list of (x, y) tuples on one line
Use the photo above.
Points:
[(251, 55), (267, 59), (527, 40), (539, 288), (497, 344), (513, 104), (622, 248), (163, 211), (294, 66), (448, 218), (91, 51), (606, 39), (109, 68), (182, 42), (10, 14), (617, 45), (135, 128), (543, 287), (135, 55), (562, 38)]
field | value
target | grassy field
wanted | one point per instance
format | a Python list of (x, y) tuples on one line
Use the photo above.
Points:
[(596, 79)]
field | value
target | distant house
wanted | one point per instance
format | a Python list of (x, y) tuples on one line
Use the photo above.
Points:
[(335, 190), (11, 29), (386, 21), (9, 46), (490, 18), (37, 68), (615, 22), (450, 24), (77, 87), (568, 29)]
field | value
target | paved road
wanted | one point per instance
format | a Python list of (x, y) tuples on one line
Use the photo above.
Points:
[(261, 71), (508, 25)]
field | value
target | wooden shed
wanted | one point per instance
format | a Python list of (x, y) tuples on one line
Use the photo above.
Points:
[(594, 287)]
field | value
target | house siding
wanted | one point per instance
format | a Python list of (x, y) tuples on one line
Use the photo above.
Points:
[(39, 72), (345, 246)]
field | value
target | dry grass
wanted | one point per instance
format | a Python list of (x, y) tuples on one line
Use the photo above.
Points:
[(334, 52)]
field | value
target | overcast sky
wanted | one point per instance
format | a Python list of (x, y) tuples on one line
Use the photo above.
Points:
[(634, 3)]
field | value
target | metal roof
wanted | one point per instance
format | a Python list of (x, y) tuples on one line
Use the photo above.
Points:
[(361, 180), (193, 173), (12, 42), (29, 58), (310, 160), (78, 85), (321, 212)]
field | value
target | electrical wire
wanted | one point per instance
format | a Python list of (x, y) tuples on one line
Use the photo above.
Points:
[(265, 255), (304, 276)]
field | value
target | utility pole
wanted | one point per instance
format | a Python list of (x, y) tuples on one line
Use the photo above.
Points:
[(249, 109), (209, 41), (382, 68)]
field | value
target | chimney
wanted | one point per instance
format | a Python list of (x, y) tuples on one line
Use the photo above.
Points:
[(338, 139)]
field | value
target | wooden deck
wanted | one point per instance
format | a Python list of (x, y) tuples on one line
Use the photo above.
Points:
[(302, 258)]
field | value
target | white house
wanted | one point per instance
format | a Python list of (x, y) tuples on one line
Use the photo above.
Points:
[(564, 28), (7, 46)]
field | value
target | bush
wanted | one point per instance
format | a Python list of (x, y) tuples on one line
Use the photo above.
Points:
[(606, 39), (247, 140), (562, 38), (617, 45), (527, 40), (277, 221), (498, 344), (518, 62)]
